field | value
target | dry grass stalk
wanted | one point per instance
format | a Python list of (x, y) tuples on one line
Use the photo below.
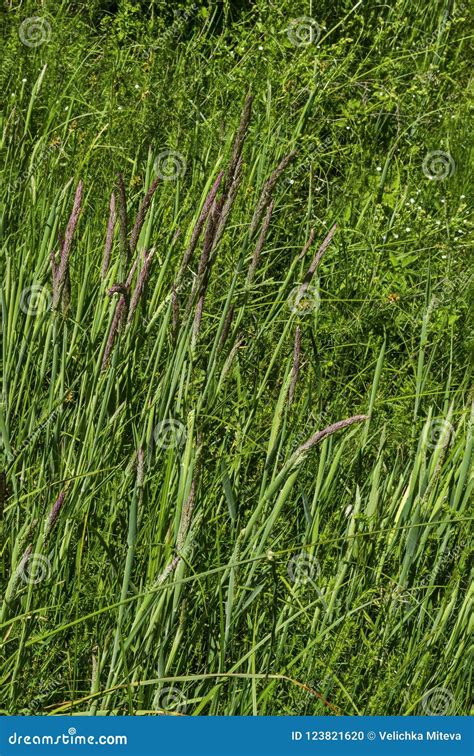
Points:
[(314, 264), (123, 222), (168, 570), (267, 190), (228, 363), (238, 143), (109, 236), (54, 514), (141, 283), (322, 434), (208, 203), (226, 327), (142, 211), (119, 317), (204, 270), (140, 467), (60, 270), (226, 208), (186, 515), (307, 245), (123, 304), (260, 242), (317, 258)]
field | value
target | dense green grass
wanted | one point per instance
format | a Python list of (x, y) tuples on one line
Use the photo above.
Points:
[(203, 560)]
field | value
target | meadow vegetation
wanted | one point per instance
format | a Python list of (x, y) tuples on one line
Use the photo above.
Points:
[(225, 228)]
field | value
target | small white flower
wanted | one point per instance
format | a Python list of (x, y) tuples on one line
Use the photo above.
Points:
[(438, 223), (379, 168), (292, 181), (408, 229), (412, 201), (24, 81), (443, 201), (443, 257), (137, 86), (395, 236), (463, 196), (260, 47)]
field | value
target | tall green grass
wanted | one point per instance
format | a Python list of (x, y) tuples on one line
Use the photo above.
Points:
[(205, 560)]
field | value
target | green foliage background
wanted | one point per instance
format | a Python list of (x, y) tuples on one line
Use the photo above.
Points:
[(381, 513)]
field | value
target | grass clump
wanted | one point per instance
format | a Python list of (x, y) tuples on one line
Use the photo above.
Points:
[(236, 412)]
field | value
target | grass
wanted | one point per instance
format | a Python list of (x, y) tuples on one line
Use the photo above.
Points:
[(175, 535)]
